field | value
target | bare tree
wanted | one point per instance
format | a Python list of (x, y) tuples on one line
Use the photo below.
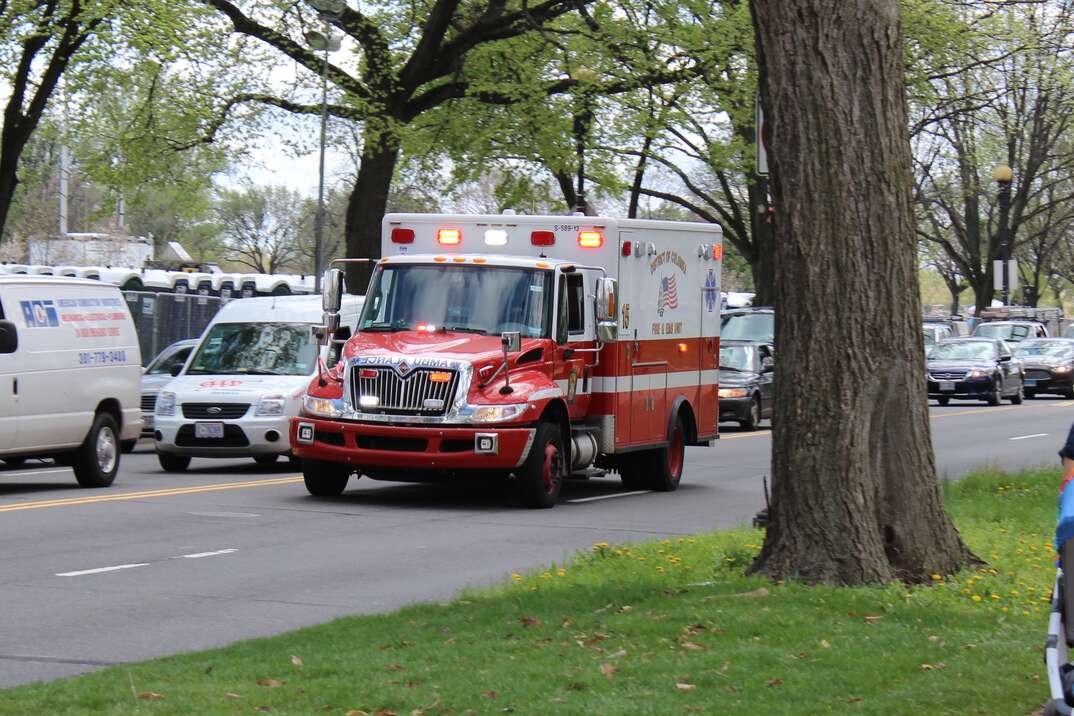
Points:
[(855, 495), (261, 227)]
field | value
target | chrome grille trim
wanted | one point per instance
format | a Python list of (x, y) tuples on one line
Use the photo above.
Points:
[(961, 375), (1039, 374), (352, 411), (403, 394)]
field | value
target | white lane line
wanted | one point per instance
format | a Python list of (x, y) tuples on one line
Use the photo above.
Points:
[(100, 570), (1027, 437), (199, 555), (608, 497), (23, 473)]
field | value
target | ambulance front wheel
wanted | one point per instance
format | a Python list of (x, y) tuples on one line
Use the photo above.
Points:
[(325, 479), (541, 475)]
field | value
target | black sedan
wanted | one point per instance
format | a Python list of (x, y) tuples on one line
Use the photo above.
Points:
[(974, 368), (745, 382), (1048, 365)]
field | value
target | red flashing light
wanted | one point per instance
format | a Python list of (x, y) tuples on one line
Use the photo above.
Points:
[(402, 236), (625, 249), (543, 238), (590, 239), (717, 252), (367, 373), (448, 236)]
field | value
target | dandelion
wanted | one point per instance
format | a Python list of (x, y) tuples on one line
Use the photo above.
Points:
[(516, 576), (995, 597), (660, 569), (936, 578), (976, 597), (561, 573), (546, 575)]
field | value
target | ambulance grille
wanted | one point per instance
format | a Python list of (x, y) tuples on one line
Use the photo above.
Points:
[(412, 394)]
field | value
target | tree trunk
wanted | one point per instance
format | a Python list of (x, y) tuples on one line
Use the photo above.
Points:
[(367, 205), (855, 495)]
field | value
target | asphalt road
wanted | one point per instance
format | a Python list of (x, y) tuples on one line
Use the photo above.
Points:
[(162, 563)]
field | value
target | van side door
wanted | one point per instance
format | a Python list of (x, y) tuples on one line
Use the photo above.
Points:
[(8, 390)]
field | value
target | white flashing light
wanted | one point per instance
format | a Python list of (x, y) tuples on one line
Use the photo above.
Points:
[(496, 237), (369, 401)]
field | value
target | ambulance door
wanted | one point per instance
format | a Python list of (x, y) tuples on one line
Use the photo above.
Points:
[(646, 351), (708, 408), (575, 340)]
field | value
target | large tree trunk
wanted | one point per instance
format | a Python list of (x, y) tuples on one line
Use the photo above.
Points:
[(855, 495), (367, 204)]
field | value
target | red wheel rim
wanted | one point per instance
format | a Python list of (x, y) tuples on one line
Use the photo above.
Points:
[(551, 468), (675, 451)]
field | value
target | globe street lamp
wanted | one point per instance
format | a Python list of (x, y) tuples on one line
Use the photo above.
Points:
[(327, 42), (1002, 175)]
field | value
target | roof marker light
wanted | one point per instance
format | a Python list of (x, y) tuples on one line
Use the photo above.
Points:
[(496, 237), (480, 260), (402, 236), (459, 259), (440, 259), (448, 236), (717, 252), (625, 249), (543, 238), (590, 239)]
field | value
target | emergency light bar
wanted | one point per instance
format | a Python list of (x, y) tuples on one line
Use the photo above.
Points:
[(402, 236), (448, 236), (496, 237), (543, 238)]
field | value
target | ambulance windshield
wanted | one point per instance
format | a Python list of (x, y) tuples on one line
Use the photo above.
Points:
[(470, 299)]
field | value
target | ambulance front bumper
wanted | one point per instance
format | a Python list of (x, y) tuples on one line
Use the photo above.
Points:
[(411, 447)]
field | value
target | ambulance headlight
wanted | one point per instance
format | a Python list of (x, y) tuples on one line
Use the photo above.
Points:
[(322, 407), (732, 392), (270, 405), (165, 403), (492, 413)]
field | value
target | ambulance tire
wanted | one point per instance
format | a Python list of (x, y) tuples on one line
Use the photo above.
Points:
[(541, 476), (96, 460), (325, 479), (665, 464), (173, 463)]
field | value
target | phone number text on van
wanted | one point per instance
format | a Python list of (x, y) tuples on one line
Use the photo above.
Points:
[(102, 357)]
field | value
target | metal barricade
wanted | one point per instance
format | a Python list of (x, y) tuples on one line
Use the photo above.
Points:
[(164, 318)]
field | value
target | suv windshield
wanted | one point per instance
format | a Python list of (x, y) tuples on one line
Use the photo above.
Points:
[(255, 349), (970, 350), (760, 327), (473, 299), (167, 360), (1050, 349), (737, 357), (1007, 331)]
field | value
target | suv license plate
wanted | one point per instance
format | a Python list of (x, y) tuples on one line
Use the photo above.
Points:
[(208, 430), (1030, 382), (947, 385)]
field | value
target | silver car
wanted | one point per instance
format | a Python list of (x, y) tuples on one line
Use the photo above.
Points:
[(158, 373)]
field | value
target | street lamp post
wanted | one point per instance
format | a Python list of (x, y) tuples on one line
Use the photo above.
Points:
[(1002, 175), (325, 41)]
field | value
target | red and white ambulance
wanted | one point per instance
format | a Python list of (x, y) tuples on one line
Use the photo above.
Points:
[(532, 346)]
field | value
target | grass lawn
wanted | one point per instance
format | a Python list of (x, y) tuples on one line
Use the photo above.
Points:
[(668, 627)]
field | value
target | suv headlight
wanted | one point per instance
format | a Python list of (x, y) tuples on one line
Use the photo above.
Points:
[(165, 403), (975, 374), (322, 407), (492, 413), (731, 393), (1061, 369), (270, 405)]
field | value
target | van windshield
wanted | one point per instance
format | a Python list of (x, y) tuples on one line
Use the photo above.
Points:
[(760, 327), (487, 300), (255, 349)]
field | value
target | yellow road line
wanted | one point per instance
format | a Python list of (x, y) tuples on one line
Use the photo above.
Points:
[(149, 493)]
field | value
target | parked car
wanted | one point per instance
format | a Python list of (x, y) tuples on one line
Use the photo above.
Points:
[(1048, 365), (159, 373), (745, 391), (69, 371), (1010, 331), (756, 324), (934, 333), (236, 394), (974, 368), (955, 326)]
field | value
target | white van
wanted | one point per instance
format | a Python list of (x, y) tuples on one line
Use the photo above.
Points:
[(236, 394), (70, 374)]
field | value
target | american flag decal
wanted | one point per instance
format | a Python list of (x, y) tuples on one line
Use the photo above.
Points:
[(669, 295)]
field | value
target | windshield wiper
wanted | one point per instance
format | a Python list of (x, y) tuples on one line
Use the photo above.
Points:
[(464, 329), (257, 371), (382, 328)]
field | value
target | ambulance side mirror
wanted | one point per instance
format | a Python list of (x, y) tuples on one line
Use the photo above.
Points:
[(9, 337), (607, 310), (332, 291)]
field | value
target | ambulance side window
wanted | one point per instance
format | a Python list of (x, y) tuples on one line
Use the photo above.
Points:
[(575, 303)]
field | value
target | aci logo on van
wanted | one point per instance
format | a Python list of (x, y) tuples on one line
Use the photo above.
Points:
[(39, 314)]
